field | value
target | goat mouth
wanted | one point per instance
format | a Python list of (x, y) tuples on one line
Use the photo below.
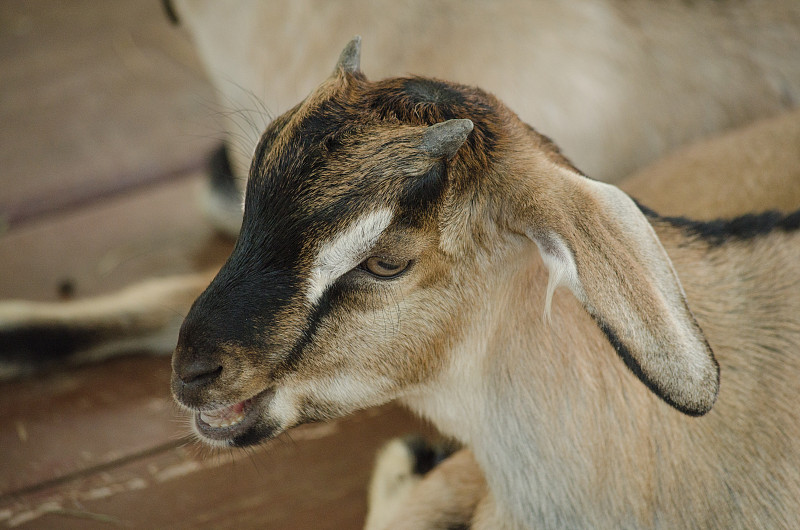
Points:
[(226, 423)]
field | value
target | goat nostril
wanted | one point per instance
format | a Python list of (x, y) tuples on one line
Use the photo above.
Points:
[(199, 373)]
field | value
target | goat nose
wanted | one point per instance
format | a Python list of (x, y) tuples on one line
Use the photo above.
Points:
[(199, 372)]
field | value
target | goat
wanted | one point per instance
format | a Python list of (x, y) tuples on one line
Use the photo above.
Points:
[(400, 240)]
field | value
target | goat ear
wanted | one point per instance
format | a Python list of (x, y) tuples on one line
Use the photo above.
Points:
[(350, 58), (597, 242)]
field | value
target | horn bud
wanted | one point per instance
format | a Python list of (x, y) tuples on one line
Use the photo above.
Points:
[(443, 140), (350, 58)]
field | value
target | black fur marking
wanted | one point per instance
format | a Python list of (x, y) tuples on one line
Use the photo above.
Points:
[(721, 231), (427, 455), (238, 308), (223, 181), (268, 138), (257, 434), (635, 367), (423, 193), (322, 308), (272, 207)]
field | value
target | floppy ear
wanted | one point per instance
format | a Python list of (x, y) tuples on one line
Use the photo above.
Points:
[(597, 242)]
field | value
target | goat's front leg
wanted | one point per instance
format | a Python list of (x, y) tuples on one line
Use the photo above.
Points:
[(401, 497)]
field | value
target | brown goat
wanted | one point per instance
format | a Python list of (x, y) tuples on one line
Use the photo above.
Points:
[(401, 239)]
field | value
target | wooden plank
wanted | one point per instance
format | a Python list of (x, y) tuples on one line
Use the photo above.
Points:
[(313, 477), (62, 423)]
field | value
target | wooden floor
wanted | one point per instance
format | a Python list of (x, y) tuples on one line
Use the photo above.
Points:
[(105, 125)]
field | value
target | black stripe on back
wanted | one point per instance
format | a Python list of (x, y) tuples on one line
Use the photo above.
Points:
[(720, 231)]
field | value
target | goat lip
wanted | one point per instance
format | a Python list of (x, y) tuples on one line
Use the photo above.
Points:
[(227, 422)]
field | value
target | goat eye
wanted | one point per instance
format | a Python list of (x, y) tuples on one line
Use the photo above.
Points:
[(384, 267)]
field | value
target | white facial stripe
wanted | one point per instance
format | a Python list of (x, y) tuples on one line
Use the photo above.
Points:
[(346, 251)]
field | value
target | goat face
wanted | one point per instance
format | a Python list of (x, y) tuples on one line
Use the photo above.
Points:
[(340, 232), (375, 217)]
